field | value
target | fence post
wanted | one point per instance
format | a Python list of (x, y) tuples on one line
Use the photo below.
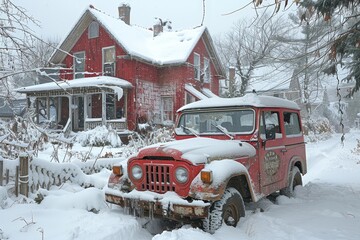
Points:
[(7, 176), (17, 181), (1, 172), (24, 175)]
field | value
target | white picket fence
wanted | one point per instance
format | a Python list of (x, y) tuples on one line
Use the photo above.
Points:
[(44, 174)]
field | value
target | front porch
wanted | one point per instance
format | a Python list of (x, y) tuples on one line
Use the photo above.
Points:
[(81, 104)]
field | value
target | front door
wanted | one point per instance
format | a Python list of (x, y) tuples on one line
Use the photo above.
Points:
[(78, 113), (271, 152)]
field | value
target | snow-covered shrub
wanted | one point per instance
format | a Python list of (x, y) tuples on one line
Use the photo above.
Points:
[(317, 129), (153, 136), (356, 150), (19, 134), (99, 136)]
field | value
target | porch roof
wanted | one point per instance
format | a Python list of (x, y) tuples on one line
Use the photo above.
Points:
[(94, 82)]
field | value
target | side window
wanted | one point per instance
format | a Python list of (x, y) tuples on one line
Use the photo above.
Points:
[(207, 76), (196, 66), (292, 124), (109, 61), (271, 119), (79, 64), (167, 110)]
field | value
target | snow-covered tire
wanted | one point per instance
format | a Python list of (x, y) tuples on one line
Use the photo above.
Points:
[(228, 209), (294, 180)]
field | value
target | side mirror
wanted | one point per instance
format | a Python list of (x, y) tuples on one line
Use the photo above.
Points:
[(270, 132)]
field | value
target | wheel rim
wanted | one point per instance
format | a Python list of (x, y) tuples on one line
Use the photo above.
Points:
[(231, 215)]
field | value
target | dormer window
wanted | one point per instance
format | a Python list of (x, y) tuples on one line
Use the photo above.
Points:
[(93, 31)]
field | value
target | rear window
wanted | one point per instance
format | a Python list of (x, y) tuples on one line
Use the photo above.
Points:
[(292, 124)]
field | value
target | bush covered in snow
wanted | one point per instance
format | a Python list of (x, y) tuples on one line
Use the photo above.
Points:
[(99, 136), (317, 129), (145, 138)]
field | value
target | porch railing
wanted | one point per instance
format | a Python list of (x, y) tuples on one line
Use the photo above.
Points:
[(116, 124)]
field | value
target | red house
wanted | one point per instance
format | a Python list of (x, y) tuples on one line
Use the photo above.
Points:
[(112, 73)]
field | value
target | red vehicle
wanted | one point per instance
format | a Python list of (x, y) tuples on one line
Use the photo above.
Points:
[(227, 152)]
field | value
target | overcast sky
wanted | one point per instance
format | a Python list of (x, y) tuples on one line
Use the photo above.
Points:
[(57, 17)]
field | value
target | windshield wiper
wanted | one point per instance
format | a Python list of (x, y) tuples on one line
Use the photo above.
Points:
[(223, 130), (190, 130)]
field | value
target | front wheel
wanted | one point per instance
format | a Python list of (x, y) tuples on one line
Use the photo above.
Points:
[(294, 180), (228, 209)]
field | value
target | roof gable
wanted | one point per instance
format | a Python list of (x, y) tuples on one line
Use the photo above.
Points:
[(164, 49)]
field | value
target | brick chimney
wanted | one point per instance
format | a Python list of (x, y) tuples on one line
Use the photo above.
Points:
[(124, 13)]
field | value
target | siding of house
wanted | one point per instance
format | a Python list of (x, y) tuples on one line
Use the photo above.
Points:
[(150, 82)]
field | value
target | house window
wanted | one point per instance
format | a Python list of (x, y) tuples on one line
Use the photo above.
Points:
[(206, 70), (93, 30), (109, 61), (189, 98), (196, 66), (79, 64), (167, 110)]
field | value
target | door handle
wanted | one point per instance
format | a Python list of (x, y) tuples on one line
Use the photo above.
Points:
[(283, 150)]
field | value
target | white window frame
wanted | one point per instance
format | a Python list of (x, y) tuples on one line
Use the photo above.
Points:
[(79, 74), (93, 30), (197, 64), (163, 109), (103, 60), (207, 72)]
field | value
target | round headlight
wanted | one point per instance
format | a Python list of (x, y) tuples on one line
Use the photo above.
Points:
[(181, 174), (136, 172)]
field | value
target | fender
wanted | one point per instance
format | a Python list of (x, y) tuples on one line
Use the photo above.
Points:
[(223, 172), (299, 162)]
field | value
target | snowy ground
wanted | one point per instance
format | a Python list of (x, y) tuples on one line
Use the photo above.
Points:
[(327, 207)]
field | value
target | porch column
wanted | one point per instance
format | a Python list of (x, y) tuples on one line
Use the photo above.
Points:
[(70, 111), (48, 107), (85, 110), (103, 106)]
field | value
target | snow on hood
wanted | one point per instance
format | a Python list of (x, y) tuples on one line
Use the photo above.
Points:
[(201, 150)]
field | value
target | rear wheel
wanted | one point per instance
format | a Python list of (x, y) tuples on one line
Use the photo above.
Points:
[(228, 209), (294, 180)]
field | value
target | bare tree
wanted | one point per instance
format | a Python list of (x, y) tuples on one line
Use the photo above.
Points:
[(15, 36), (35, 61), (249, 45)]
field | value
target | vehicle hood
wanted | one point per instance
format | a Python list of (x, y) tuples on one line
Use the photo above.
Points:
[(199, 150)]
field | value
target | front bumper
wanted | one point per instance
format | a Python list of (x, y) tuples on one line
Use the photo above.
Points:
[(149, 204)]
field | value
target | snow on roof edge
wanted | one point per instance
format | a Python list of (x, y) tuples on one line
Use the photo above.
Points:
[(194, 92), (75, 83)]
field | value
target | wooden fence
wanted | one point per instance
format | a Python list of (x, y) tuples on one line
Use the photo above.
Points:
[(28, 175)]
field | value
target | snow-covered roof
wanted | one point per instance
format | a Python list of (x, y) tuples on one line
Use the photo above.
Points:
[(250, 99), (138, 42), (166, 48), (209, 93), (268, 79), (101, 81)]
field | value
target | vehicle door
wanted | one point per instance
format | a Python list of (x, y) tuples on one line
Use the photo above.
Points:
[(271, 151)]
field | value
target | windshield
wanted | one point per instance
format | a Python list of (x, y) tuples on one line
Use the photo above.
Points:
[(232, 121)]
